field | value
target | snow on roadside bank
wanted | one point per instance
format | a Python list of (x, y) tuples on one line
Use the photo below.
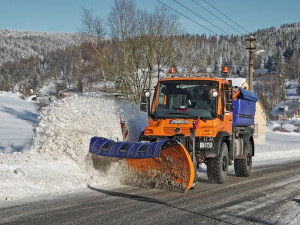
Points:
[(58, 161), (278, 145), (269, 151)]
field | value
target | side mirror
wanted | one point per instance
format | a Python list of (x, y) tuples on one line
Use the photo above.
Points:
[(229, 96), (143, 107), (145, 102)]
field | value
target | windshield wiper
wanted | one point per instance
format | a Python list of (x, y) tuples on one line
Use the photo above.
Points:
[(181, 113), (185, 115)]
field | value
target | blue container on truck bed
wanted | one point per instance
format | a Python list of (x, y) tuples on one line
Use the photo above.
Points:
[(244, 108)]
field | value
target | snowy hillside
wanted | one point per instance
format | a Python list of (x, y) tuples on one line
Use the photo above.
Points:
[(58, 160), (16, 45)]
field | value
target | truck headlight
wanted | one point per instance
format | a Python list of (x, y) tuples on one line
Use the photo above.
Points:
[(208, 132)]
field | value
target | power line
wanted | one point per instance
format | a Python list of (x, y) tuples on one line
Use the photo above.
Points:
[(226, 16), (201, 17), (187, 17), (217, 17)]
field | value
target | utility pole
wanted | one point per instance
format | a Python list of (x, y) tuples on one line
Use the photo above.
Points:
[(282, 74), (251, 54)]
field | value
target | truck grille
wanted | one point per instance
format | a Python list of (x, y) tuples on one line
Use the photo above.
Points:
[(170, 130)]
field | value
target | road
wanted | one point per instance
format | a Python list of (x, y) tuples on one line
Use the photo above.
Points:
[(271, 195)]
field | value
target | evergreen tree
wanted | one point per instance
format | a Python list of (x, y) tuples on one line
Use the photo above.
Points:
[(60, 86), (279, 64), (216, 67), (243, 68), (269, 64), (36, 82)]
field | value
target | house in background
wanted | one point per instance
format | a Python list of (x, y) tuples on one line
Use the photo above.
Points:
[(260, 118), (291, 109)]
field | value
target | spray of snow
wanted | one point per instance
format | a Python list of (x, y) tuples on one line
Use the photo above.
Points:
[(66, 127), (58, 159)]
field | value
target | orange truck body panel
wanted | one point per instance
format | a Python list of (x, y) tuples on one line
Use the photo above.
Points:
[(209, 128)]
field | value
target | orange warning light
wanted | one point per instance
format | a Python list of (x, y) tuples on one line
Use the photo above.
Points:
[(225, 69), (172, 70)]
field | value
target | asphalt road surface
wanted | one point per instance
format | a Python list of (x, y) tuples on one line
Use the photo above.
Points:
[(271, 195)]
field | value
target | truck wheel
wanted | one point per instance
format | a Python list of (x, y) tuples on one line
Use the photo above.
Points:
[(217, 168), (242, 167)]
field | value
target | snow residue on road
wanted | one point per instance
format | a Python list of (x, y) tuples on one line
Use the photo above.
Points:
[(58, 160)]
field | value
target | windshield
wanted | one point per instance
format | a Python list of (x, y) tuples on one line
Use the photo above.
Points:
[(186, 99)]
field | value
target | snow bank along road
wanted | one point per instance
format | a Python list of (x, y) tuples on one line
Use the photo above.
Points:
[(269, 196)]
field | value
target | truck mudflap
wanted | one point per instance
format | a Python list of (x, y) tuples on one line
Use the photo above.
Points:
[(165, 159)]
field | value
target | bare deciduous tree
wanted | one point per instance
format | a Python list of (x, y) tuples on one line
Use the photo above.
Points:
[(122, 20), (93, 32), (92, 27), (143, 42), (122, 23)]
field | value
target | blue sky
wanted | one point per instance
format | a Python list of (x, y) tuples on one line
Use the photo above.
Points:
[(65, 15)]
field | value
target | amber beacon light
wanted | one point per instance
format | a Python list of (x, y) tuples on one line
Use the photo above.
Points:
[(172, 70), (225, 69)]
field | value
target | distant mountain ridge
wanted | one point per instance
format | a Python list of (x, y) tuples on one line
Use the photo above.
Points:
[(16, 45), (210, 50)]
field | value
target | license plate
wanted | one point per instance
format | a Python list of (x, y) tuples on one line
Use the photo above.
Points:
[(179, 121), (206, 144)]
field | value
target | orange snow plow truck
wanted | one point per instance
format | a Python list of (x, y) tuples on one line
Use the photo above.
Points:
[(192, 120)]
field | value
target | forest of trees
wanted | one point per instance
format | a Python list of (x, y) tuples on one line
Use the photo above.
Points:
[(16, 45), (130, 47)]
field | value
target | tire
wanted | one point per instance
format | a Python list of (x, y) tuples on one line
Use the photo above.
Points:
[(217, 168), (242, 167)]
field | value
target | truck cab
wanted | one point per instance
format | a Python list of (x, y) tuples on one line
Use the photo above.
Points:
[(178, 102)]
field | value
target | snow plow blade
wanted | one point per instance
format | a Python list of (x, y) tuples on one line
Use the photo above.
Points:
[(165, 158)]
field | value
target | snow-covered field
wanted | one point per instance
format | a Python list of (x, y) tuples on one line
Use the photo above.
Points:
[(55, 159), (16, 121)]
